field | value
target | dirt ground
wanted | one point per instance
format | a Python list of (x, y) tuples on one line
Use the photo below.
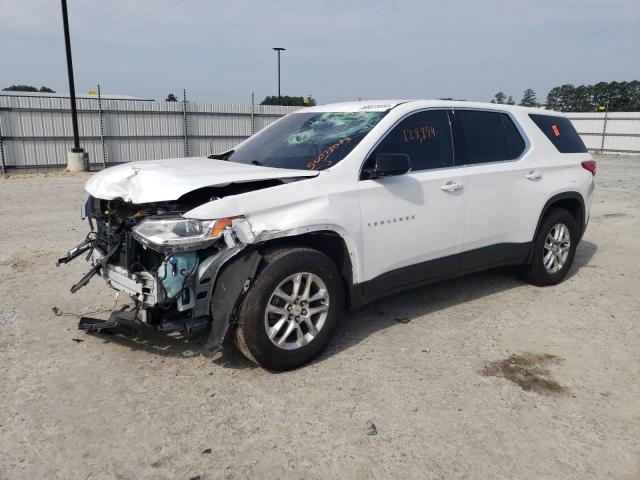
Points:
[(479, 377)]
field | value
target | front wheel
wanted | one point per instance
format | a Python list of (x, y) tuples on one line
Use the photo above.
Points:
[(554, 248), (291, 311)]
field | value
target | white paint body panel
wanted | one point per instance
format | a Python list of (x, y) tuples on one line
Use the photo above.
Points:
[(162, 180), (408, 219), (503, 204), (497, 203)]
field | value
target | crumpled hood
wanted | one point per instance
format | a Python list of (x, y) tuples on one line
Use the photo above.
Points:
[(165, 180)]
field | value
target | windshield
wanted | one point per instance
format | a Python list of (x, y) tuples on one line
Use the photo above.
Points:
[(307, 141)]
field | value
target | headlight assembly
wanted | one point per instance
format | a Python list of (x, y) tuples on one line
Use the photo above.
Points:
[(175, 234)]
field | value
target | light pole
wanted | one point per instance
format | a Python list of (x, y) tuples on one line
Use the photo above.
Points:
[(279, 49), (77, 159)]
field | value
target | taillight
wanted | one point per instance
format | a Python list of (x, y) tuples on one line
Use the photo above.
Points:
[(590, 165)]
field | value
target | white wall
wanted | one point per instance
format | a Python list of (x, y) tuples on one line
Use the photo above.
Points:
[(622, 131), (36, 131)]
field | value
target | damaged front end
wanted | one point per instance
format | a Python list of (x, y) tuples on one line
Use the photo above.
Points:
[(168, 265)]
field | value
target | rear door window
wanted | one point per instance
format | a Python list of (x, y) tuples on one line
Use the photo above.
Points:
[(560, 132), (424, 136), (485, 137)]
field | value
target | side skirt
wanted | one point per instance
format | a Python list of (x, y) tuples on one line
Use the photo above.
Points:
[(439, 269)]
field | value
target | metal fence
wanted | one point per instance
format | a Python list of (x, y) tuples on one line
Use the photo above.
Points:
[(35, 132), (609, 132)]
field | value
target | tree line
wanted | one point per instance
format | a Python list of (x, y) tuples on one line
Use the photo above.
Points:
[(273, 100), (614, 96), (289, 101), (27, 88), (528, 99)]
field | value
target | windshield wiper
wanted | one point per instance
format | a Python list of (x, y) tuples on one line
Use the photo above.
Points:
[(256, 162), (221, 156)]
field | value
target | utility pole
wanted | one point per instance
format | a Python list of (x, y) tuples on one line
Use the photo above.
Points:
[(101, 118), (604, 126), (185, 125), (77, 159), (279, 49)]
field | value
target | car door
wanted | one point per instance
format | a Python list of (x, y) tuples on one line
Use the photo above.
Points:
[(503, 187), (413, 224)]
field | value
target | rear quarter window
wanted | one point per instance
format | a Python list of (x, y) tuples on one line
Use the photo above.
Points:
[(560, 132)]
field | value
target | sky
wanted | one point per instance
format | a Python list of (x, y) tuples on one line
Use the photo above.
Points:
[(220, 51)]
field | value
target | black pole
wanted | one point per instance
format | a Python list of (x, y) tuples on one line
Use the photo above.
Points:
[(278, 49), (72, 88)]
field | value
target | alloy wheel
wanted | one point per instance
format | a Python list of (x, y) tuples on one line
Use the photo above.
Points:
[(296, 311), (556, 248)]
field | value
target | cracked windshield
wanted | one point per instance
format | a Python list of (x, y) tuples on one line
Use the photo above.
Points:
[(307, 141)]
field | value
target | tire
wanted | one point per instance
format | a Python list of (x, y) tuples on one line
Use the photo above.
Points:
[(549, 265), (252, 334)]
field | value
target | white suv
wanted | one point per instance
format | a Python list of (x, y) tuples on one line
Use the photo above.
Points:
[(332, 207)]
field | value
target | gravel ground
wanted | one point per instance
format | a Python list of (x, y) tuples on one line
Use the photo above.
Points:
[(479, 377)]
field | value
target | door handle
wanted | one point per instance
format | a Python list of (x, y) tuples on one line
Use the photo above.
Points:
[(533, 175), (451, 187)]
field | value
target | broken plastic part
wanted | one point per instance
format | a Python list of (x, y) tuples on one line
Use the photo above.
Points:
[(76, 251), (231, 286), (229, 239), (242, 229), (95, 269)]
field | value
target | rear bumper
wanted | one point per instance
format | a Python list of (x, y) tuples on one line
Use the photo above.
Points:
[(584, 227)]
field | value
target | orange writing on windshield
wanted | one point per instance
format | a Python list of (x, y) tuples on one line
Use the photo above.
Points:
[(324, 156)]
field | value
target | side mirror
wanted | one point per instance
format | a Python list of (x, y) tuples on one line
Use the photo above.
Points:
[(389, 165)]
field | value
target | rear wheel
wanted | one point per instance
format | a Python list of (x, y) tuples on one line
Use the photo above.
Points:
[(554, 248), (291, 311)]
